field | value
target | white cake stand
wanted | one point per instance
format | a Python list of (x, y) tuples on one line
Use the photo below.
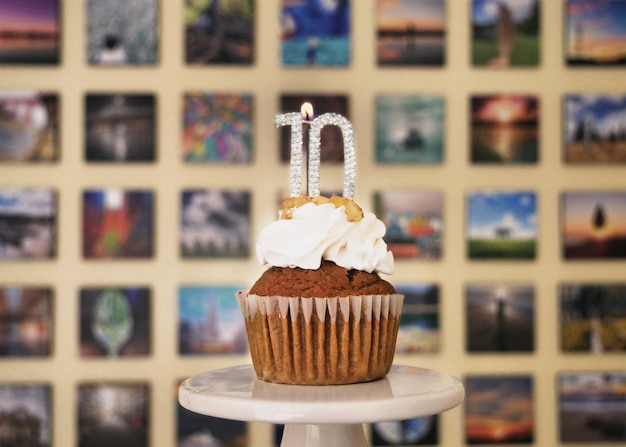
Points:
[(321, 416)]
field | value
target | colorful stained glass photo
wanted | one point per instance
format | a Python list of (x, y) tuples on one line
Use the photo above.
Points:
[(417, 431), (595, 33), (419, 322), (410, 129), (26, 414), (595, 128), (504, 129), (115, 321), (214, 224), (411, 32), (315, 32), (25, 321), (219, 32), (500, 318), (113, 413), (217, 128), (118, 224), (506, 33), (120, 128), (593, 317), (502, 225), (29, 126), (594, 224), (210, 321), (120, 32), (414, 222), (499, 409), (28, 223), (29, 32)]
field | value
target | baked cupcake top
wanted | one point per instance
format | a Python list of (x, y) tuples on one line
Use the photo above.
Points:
[(312, 229)]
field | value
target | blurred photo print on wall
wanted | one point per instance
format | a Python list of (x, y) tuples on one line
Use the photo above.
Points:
[(118, 224), (219, 32), (594, 128), (502, 225), (210, 321), (315, 33), (214, 224), (500, 318), (414, 221), (120, 128), (593, 317), (593, 225), (331, 137), (26, 414), (115, 322), (506, 33), (411, 32), (122, 32), (113, 413), (595, 33), (217, 127), (410, 129), (592, 407), (30, 32), (418, 332), (408, 432), (499, 409), (29, 126), (28, 223), (25, 321), (504, 129)]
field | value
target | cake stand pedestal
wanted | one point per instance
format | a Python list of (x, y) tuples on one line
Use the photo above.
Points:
[(321, 416)]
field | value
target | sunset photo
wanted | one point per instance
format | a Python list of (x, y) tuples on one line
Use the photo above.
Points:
[(594, 225), (504, 129), (595, 32)]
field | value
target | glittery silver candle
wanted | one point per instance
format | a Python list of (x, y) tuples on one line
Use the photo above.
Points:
[(295, 161)]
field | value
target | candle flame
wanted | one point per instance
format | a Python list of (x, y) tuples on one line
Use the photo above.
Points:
[(307, 111)]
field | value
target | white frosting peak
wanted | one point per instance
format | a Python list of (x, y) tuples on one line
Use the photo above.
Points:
[(322, 231)]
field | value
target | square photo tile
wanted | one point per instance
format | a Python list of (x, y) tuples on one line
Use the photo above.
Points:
[(210, 321), (25, 321), (414, 222), (215, 224), (120, 127), (506, 33), (499, 409), (502, 225), (120, 32), (593, 317), (594, 128), (26, 414), (118, 224), (113, 413), (595, 33), (416, 431), (594, 225), (592, 407), (218, 32), (500, 317), (28, 223), (410, 129), (115, 321), (411, 32), (29, 126), (30, 32), (418, 332), (504, 129), (315, 33), (217, 128)]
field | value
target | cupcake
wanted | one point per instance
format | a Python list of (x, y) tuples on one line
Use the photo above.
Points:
[(320, 314)]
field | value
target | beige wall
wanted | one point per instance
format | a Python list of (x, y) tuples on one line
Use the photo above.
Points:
[(266, 81)]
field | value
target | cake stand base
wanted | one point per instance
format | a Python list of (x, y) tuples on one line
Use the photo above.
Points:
[(323, 435)]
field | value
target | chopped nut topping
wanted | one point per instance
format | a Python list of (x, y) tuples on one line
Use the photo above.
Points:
[(353, 211)]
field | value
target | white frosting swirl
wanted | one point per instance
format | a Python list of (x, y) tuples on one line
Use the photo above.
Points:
[(317, 232)]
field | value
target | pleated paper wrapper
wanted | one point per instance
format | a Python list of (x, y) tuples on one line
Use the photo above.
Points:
[(321, 341)]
